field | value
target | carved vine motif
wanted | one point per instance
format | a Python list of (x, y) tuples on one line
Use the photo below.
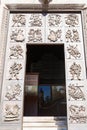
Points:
[(55, 35), (72, 20), (11, 112), (16, 52), (17, 35), (14, 71), (13, 92), (35, 35), (36, 20), (72, 35), (75, 92), (75, 71), (54, 20), (73, 51), (77, 114), (18, 20)]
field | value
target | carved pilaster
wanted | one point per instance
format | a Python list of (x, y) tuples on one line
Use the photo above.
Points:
[(84, 17), (3, 39)]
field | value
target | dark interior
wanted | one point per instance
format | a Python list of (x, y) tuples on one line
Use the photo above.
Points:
[(48, 98), (48, 61)]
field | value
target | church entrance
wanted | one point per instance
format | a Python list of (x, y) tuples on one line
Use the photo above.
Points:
[(45, 91), (42, 50)]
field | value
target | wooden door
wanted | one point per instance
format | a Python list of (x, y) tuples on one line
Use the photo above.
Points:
[(31, 95)]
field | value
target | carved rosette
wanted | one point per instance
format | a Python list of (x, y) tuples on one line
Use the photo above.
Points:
[(76, 92), (16, 52), (55, 35), (77, 114), (15, 71), (72, 35), (75, 71), (18, 20), (35, 20), (13, 92), (72, 20), (74, 51), (54, 20), (11, 112), (35, 35), (17, 35)]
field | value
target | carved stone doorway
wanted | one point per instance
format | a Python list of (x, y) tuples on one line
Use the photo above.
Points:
[(35, 28)]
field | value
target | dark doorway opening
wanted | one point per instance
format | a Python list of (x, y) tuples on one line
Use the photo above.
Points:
[(45, 91)]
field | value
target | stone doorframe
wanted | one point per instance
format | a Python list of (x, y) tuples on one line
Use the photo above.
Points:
[(71, 105)]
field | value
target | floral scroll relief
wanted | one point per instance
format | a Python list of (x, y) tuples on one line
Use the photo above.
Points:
[(73, 52), (35, 20), (55, 35), (16, 52), (18, 20), (35, 35), (14, 71), (72, 35), (77, 114), (75, 71), (54, 20), (17, 35), (11, 112), (72, 20), (13, 92), (76, 92)]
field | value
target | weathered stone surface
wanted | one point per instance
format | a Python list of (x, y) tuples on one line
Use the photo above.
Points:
[(72, 39)]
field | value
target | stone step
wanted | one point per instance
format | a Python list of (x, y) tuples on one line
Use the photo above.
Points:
[(33, 123), (44, 128), (36, 119), (43, 119)]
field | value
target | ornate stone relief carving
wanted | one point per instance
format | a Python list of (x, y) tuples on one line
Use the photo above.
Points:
[(55, 35), (18, 20), (35, 35), (73, 52), (14, 71), (17, 35), (13, 92), (77, 114), (75, 92), (75, 71), (72, 20), (16, 52), (54, 19), (72, 35), (11, 112), (35, 20)]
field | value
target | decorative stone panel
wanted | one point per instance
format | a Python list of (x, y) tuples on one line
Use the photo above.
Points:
[(74, 51), (11, 112), (51, 28), (75, 73), (76, 70), (13, 79)]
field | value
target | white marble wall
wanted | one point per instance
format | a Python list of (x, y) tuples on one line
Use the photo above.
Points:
[(66, 32)]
